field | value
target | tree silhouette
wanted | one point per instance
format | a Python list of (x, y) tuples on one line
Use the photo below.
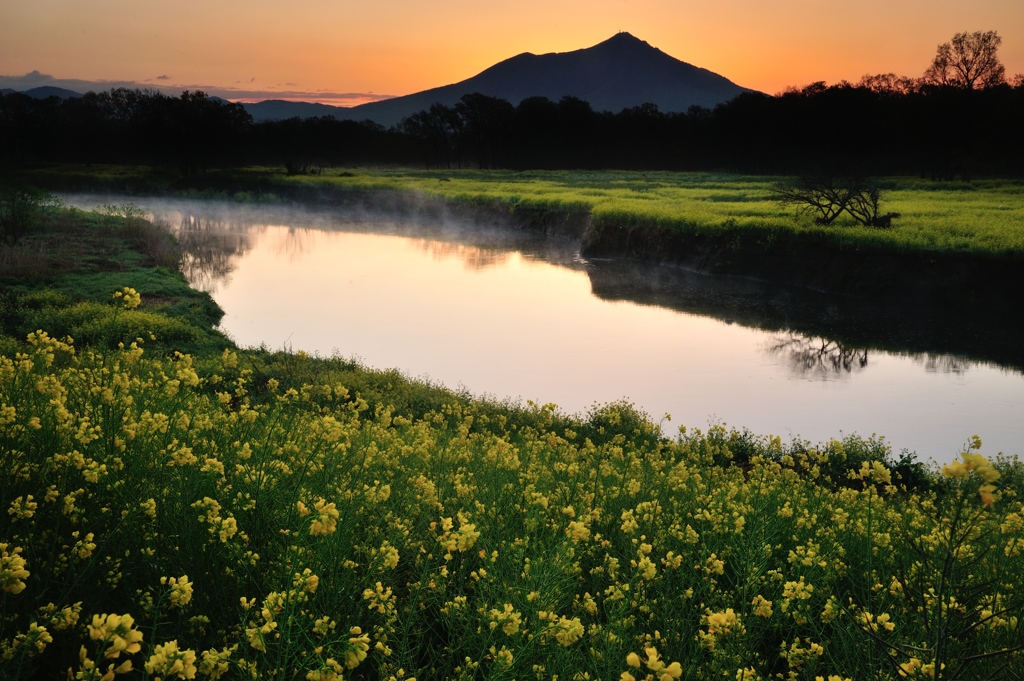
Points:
[(829, 197), (968, 61)]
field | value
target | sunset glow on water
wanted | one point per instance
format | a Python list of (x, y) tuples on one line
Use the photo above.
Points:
[(514, 316)]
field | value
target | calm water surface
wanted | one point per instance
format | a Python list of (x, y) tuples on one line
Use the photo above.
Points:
[(510, 314)]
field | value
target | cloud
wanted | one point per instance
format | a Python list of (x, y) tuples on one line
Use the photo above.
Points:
[(35, 79)]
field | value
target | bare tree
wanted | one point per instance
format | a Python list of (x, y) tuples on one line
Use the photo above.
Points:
[(822, 195), (968, 61), (829, 197)]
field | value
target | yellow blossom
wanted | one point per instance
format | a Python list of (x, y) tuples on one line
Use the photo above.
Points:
[(358, 644), (577, 531), (214, 663), (33, 641), (508, 619), (326, 519), (12, 570), (569, 631), (168, 662), (330, 670), (22, 508), (180, 592), (762, 606), (117, 633), (130, 297)]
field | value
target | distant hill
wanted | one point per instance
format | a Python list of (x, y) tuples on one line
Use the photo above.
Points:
[(616, 74), (279, 109), (44, 92), (619, 73)]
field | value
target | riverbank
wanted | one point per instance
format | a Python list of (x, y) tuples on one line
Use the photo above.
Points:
[(955, 243), (248, 513)]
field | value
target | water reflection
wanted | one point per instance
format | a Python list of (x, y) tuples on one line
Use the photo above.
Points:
[(822, 334), (215, 236), (814, 355), (931, 333), (511, 312), (472, 257), (943, 364), (210, 248)]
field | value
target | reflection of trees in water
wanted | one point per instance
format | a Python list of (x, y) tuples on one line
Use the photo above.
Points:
[(210, 248), (814, 354), (472, 257), (297, 241), (943, 364)]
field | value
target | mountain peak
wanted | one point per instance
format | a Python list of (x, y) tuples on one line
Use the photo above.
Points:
[(621, 72), (623, 38)]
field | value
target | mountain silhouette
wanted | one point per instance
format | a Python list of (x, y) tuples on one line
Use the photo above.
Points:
[(619, 73), (44, 92)]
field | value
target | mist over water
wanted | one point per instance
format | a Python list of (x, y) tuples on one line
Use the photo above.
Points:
[(518, 315)]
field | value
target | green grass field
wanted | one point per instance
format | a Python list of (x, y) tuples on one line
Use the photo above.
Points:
[(174, 507), (984, 216)]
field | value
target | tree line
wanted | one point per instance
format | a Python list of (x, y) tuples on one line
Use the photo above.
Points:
[(961, 119)]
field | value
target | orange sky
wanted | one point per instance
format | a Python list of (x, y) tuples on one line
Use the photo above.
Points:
[(401, 46)]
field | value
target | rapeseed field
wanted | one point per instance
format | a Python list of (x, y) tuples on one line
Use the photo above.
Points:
[(175, 507), (247, 515)]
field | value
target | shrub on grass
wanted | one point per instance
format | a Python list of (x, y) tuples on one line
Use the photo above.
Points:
[(22, 211)]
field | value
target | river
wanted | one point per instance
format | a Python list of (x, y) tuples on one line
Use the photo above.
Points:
[(511, 314)]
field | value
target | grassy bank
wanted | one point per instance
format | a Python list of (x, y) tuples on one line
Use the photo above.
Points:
[(181, 507), (61, 276), (983, 217)]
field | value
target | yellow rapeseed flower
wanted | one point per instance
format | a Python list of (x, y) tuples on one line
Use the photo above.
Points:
[(508, 619), (215, 662), (180, 590), (12, 569), (762, 606), (569, 631), (330, 670), (358, 644), (34, 640), (23, 508), (117, 633), (129, 296), (168, 662), (326, 519)]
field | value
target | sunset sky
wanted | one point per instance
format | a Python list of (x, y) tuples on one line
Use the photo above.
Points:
[(342, 51)]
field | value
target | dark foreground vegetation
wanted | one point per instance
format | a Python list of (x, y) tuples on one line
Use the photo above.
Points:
[(177, 507)]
